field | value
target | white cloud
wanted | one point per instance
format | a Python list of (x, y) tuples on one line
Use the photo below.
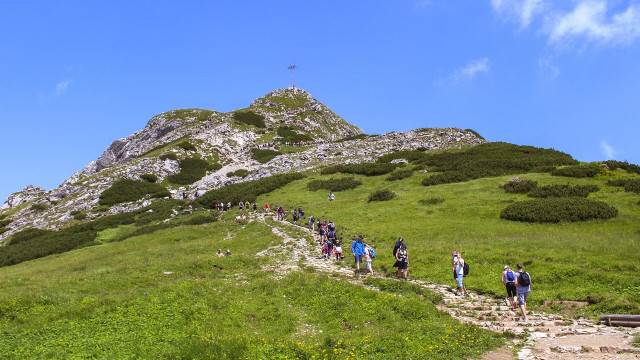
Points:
[(522, 11), (608, 151), (423, 3), (472, 69), (589, 19), (61, 87), (548, 70)]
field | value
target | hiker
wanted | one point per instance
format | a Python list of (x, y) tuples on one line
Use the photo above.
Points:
[(247, 205), (357, 248), (240, 205), (244, 217), (396, 247), (295, 216), (300, 213), (255, 207), (280, 213), (369, 254), (338, 251), (331, 196), (509, 281), (312, 223), (220, 253), (229, 205), (266, 208), (331, 241), (402, 261), (228, 253), (459, 271), (523, 284), (454, 258)]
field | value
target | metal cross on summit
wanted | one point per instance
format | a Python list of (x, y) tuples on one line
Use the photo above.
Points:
[(291, 68)]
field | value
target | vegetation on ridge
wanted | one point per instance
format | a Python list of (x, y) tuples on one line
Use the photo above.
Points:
[(125, 190)]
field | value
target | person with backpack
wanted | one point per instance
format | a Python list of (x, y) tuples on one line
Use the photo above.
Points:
[(459, 271), (295, 216), (280, 212), (331, 241), (369, 254), (523, 284), (312, 223), (357, 248), (402, 261), (509, 281)]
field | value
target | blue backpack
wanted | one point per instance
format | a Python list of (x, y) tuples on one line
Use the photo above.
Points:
[(372, 253), (510, 277)]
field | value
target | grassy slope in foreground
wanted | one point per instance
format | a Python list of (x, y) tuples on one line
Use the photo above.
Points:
[(567, 261), (114, 301)]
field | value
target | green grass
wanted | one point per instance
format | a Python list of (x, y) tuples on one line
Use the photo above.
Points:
[(115, 301), (567, 261)]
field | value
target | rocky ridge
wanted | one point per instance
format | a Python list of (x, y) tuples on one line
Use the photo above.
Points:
[(217, 137)]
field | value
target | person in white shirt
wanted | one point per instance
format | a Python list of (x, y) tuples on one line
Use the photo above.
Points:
[(459, 272)]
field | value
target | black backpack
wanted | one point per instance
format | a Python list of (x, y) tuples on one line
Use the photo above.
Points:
[(465, 269), (524, 279)]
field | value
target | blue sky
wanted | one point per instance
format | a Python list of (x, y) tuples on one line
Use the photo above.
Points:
[(76, 75)]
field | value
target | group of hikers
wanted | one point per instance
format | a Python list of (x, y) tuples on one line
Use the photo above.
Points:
[(517, 284)]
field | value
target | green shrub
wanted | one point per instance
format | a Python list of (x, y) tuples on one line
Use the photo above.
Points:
[(290, 135), (159, 210), (4, 223), (246, 191), (240, 173), (263, 156), (431, 201), (630, 168), (381, 195), (409, 155), (334, 184), (367, 169), (400, 174), (543, 169), (170, 156), (149, 177), (39, 207), (519, 186), (474, 133), (617, 182), (214, 167), (3, 216), (557, 190), (200, 218), (249, 118), (186, 145), (80, 216), (554, 210), (125, 190), (191, 170), (632, 185), (578, 171), (489, 160), (421, 148), (355, 137)]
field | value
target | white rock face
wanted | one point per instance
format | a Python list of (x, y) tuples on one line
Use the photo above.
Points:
[(27, 194)]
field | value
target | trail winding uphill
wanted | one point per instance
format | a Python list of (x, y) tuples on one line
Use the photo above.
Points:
[(545, 336)]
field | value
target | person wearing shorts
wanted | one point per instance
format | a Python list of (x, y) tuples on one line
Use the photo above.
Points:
[(402, 259), (357, 248), (459, 271), (508, 279), (523, 291)]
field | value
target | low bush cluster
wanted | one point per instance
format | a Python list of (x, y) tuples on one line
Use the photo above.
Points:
[(39, 207), (4, 223), (355, 137), (367, 169), (191, 170), (239, 173), (186, 145), (409, 155), (519, 186), (159, 210), (263, 156), (431, 201), (630, 168), (490, 159), (381, 195), (288, 134), (149, 177), (400, 174), (334, 184), (557, 190), (632, 185), (249, 118), (125, 190), (578, 171), (80, 215), (246, 191), (554, 210), (169, 156)]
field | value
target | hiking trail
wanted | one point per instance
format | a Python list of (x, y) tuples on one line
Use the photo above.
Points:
[(544, 336)]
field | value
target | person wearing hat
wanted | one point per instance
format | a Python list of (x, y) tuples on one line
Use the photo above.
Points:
[(509, 281)]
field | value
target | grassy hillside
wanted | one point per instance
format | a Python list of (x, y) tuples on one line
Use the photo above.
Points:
[(596, 260), (117, 301)]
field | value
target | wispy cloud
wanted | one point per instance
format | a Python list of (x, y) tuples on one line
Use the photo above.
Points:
[(523, 11), (548, 70), (62, 86), (422, 3), (471, 70), (589, 19), (607, 150)]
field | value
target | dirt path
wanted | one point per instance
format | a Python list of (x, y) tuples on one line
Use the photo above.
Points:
[(545, 336)]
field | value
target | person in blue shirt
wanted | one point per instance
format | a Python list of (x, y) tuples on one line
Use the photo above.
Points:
[(357, 248)]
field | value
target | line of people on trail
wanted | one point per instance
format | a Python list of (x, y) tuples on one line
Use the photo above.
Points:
[(242, 205)]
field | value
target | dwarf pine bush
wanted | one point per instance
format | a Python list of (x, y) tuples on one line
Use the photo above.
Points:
[(367, 169), (578, 171), (557, 190), (249, 118), (263, 156), (191, 170), (169, 156), (125, 190), (400, 174), (554, 210), (149, 177), (382, 195), (246, 191), (334, 184), (519, 186)]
